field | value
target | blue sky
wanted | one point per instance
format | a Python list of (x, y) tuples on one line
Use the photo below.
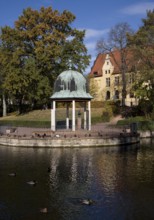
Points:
[(94, 16)]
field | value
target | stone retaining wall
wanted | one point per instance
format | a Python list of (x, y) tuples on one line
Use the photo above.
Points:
[(146, 134), (68, 142)]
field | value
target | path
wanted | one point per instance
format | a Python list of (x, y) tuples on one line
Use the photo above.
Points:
[(105, 129)]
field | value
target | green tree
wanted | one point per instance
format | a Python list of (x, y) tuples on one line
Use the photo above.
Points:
[(39, 48), (142, 44)]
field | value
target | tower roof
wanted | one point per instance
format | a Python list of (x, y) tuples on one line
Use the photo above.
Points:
[(71, 84)]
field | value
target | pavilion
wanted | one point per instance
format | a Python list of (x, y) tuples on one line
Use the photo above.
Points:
[(71, 87)]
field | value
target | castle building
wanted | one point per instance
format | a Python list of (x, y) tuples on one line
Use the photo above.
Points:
[(106, 81)]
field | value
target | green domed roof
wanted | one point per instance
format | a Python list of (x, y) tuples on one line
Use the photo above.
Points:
[(71, 84)]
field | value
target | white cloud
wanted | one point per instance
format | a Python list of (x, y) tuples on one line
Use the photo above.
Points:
[(140, 8), (93, 33), (91, 38), (91, 45)]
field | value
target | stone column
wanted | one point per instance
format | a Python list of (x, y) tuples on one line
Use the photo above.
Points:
[(79, 121), (53, 115), (89, 115), (67, 115), (85, 116), (73, 115)]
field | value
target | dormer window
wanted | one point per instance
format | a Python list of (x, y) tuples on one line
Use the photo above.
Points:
[(95, 74)]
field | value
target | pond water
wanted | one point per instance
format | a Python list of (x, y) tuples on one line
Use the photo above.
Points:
[(120, 181)]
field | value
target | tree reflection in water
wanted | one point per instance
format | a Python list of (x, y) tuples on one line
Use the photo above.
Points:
[(118, 180)]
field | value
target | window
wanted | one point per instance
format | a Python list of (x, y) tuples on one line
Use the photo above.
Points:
[(107, 95), (95, 74), (116, 95), (131, 78), (107, 82), (131, 95), (116, 81), (107, 71)]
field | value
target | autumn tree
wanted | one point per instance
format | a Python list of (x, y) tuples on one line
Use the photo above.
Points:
[(142, 44), (117, 41), (39, 48)]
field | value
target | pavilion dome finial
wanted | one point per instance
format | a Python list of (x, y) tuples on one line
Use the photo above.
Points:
[(70, 64)]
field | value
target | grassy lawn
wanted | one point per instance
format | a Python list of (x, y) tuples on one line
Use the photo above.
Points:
[(37, 115), (41, 118)]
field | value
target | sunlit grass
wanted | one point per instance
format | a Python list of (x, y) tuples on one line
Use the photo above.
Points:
[(43, 117)]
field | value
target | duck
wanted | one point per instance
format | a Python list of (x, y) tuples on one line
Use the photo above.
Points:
[(44, 210), (32, 182), (87, 201), (12, 174)]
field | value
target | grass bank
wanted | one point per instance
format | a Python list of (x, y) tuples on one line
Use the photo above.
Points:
[(42, 118)]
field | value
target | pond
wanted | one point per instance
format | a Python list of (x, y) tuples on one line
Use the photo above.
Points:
[(119, 181)]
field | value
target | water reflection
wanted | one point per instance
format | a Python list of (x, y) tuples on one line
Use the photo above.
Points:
[(119, 180)]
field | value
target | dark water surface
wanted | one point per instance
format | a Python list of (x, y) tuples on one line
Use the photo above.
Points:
[(119, 180)]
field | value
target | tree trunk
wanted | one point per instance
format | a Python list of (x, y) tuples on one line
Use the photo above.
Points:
[(4, 106), (123, 69), (20, 106)]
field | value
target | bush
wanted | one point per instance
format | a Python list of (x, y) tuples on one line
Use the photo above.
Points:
[(133, 111), (105, 116), (142, 124), (146, 125), (146, 107), (152, 115), (115, 105)]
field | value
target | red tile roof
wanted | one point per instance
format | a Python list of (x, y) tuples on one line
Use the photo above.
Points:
[(115, 58), (97, 66)]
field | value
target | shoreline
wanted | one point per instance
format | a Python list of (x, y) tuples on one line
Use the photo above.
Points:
[(70, 142), (45, 138)]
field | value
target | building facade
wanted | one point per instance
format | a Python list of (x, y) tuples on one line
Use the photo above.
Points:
[(106, 82)]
